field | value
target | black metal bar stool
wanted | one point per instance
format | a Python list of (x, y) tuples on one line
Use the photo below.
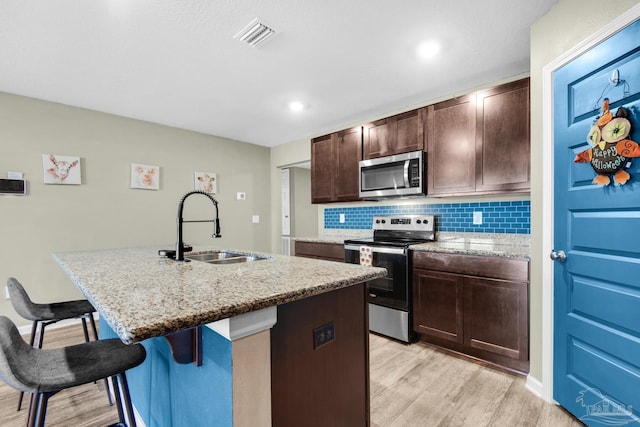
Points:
[(43, 315), (43, 373)]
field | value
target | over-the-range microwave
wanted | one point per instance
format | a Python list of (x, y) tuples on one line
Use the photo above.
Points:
[(400, 175)]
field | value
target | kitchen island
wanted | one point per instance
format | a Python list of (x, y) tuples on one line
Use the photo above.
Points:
[(302, 320)]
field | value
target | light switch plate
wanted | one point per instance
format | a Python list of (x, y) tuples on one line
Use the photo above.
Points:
[(477, 218), (342, 219), (241, 196), (255, 219)]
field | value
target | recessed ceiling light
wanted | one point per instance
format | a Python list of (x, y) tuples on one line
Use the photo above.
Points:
[(428, 49), (296, 106)]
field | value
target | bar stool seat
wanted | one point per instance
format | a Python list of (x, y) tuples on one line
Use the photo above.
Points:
[(43, 315), (46, 372)]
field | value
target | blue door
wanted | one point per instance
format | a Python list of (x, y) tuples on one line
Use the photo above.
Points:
[(597, 286)]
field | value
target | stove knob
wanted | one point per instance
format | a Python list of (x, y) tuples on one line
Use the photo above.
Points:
[(419, 222), (377, 221)]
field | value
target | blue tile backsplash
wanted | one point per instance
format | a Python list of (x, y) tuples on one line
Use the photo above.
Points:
[(497, 217)]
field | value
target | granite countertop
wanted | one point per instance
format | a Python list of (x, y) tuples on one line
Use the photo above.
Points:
[(486, 244), (141, 295)]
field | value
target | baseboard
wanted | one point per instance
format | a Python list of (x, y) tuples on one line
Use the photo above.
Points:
[(534, 386), (26, 329)]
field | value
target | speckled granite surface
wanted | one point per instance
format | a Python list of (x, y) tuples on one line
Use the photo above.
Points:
[(488, 244), (141, 295)]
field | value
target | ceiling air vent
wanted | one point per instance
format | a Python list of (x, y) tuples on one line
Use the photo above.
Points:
[(255, 33)]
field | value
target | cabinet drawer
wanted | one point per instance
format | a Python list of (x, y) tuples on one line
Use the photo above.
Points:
[(473, 265), (328, 251)]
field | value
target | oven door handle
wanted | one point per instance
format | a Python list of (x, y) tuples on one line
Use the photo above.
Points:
[(377, 249)]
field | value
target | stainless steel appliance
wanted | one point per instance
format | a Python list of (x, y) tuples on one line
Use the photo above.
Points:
[(390, 297), (401, 175)]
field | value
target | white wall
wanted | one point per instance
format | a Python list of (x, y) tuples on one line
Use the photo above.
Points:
[(103, 211), (304, 216)]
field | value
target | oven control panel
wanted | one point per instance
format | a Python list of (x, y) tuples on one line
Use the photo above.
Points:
[(404, 223)]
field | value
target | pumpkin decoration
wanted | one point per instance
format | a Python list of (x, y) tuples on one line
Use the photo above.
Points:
[(611, 150)]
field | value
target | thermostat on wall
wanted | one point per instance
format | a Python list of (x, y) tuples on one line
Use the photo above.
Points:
[(13, 186)]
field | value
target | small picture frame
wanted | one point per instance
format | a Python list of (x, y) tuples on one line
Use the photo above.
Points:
[(145, 177), (59, 169), (206, 181)]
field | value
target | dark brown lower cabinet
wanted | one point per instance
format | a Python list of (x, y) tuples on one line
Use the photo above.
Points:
[(320, 250), (326, 385), (474, 305)]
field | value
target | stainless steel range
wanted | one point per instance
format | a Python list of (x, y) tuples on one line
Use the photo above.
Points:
[(390, 303)]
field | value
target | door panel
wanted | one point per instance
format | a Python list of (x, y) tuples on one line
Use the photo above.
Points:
[(605, 231), (438, 304), (490, 309), (348, 154), (451, 146), (619, 307), (597, 288)]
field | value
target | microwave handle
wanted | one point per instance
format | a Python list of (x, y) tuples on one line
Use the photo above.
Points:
[(406, 173)]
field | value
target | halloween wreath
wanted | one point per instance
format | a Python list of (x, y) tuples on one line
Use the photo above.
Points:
[(611, 151)]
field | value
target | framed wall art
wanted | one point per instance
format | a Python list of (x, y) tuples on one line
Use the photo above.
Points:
[(145, 177), (60, 169), (205, 181)]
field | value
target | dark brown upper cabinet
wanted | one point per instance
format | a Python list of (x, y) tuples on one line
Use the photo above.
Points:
[(503, 138), (451, 146), (480, 143), (401, 133), (334, 166)]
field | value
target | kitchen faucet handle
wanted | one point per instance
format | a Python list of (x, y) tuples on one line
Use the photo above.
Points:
[(216, 232)]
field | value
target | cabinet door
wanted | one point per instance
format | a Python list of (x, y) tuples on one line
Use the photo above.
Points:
[(322, 169), (348, 153), (496, 320), (378, 139), (410, 131), (503, 138), (451, 147), (320, 250), (437, 304), (401, 133)]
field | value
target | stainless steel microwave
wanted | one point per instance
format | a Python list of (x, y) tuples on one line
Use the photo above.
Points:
[(401, 175)]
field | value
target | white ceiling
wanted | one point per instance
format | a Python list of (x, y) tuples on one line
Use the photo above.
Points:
[(176, 62)]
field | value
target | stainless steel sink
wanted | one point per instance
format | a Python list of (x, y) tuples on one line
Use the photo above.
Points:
[(222, 257)]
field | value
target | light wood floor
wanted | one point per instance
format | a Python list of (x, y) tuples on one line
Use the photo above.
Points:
[(418, 385), (414, 385)]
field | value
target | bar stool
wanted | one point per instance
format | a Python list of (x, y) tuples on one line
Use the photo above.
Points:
[(44, 315), (46, 372)]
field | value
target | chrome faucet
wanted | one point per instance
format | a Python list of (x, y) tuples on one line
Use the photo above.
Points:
[(180, 244)]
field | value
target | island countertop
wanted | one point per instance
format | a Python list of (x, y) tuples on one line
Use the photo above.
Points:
[(141, 295)]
